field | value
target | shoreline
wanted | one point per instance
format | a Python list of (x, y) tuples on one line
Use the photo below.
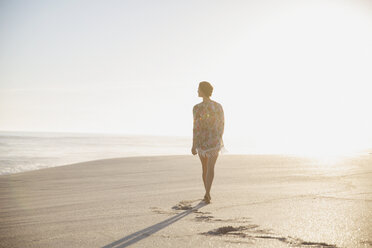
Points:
[(147, 156)]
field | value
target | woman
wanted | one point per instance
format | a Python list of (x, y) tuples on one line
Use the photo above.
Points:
[(207, 134)]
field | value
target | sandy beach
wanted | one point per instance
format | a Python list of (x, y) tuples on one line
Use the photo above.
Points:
[(257, 201)]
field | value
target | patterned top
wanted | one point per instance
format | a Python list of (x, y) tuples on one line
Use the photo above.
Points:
[(208, 127)]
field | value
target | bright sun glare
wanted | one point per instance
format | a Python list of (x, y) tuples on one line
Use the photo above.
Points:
[(320, 97)]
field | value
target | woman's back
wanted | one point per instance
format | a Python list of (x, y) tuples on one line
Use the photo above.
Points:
[(208, 125)]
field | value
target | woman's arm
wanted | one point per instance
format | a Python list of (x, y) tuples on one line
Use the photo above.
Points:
[(221, 121), (193, 149)]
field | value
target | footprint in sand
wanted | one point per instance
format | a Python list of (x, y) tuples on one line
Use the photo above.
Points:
[(184, 205), (206, 216), (252, 232), (160, 211)]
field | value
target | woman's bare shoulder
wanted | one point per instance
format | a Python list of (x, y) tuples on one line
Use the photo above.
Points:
[(197, 105), (218, 104)]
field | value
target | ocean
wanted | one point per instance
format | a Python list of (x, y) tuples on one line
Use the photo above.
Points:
[(26, 151)]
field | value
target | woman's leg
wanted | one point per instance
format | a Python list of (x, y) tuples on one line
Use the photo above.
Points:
[(204, 162), (210, 173)]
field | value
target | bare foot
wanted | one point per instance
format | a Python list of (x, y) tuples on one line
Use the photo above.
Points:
[(207, 198)]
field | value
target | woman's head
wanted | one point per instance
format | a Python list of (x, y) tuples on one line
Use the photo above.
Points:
[(206, 88)]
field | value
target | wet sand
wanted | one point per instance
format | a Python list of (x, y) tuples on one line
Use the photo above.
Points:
[(257, 201)]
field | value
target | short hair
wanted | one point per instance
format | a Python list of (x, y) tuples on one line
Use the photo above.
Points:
[(206, 87)]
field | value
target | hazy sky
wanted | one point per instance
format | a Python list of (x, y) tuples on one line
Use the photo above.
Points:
[(288, 73)]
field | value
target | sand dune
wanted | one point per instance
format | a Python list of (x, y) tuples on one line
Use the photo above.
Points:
[(257, 201)]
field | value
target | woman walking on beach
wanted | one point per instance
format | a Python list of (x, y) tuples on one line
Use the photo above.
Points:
[(207, 134)]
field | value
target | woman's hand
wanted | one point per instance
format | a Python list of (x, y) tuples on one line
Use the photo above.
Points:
[(193, 151)]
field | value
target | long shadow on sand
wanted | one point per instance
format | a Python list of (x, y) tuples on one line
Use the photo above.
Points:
[(144, 233)]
